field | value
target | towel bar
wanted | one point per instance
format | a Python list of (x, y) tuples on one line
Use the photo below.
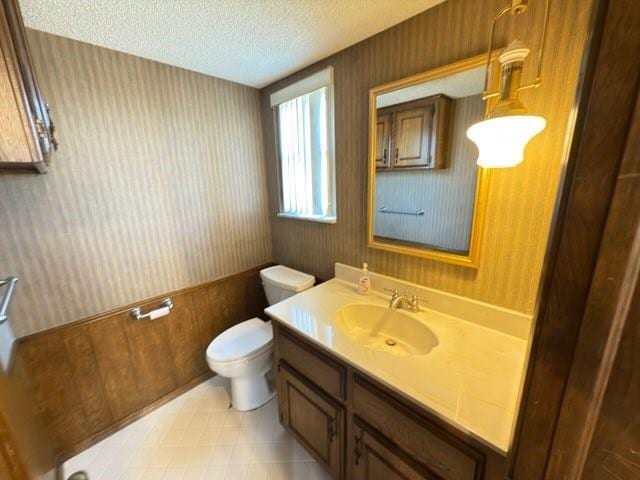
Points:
[(401, 212)]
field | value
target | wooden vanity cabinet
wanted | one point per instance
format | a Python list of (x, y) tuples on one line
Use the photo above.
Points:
[(314, 418), (27, 133), (442, 454), (359, 429), (375, 458)]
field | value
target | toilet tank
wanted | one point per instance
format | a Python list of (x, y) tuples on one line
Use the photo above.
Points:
[(282, 282)]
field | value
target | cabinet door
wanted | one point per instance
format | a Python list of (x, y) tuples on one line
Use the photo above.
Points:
[(375, 458), (27, 134), (383, 132), (412, 136), (315, 420)]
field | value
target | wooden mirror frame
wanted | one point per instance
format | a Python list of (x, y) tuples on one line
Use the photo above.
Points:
[(482, 179)]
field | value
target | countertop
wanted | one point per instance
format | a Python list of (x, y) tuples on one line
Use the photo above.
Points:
[(471, 379)]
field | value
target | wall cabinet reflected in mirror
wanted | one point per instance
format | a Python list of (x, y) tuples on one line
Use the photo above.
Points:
[(426, 194), (413, 134)]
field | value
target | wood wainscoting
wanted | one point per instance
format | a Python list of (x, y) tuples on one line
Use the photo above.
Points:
[(26, 452), (91, 377)]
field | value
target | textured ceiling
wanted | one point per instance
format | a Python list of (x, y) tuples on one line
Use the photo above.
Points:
[(253, 42)]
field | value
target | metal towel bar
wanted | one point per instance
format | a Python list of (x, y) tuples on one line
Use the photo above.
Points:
[(10, 283), (401, 212)]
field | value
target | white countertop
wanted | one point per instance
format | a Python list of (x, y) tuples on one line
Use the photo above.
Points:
[(471, 379)]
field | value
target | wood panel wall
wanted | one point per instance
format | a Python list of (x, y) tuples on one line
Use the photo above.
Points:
[(598, 430), (582, 383), (26, 451), (521, 200), (91, 377)]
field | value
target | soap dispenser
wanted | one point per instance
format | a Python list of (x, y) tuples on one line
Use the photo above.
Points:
[(364, 284)]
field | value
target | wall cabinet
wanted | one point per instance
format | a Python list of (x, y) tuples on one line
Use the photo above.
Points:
[(383, 139), (359, 429), (413, 134), (27, 135)]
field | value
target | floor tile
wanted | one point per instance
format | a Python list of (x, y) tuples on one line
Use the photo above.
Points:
[(198, 437)]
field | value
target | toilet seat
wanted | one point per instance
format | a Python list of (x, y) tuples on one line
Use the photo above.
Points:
[(241, 343)]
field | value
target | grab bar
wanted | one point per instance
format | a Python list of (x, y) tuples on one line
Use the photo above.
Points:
[(401, 212), (165, 307), (10, 282)]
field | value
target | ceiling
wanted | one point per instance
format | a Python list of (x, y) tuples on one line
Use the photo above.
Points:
[(253, 42), (457, 85)]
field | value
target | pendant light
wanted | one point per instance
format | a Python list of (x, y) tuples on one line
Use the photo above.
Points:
[(503, 135)]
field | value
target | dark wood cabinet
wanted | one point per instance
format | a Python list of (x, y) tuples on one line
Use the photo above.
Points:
[(27, 135), (359, 429), (413, 134), (323, 371), (441, 453), (315, 419), (375, 458), (383, 138)]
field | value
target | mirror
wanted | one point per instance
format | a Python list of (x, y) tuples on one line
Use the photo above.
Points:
[(426, 194)]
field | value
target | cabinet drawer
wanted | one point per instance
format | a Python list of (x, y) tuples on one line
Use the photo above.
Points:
[(443, 455), (313, 418), (327, 374)]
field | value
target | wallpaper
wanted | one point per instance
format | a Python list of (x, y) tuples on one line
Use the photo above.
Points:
[(521, 200), (446, 195), (159, 184)]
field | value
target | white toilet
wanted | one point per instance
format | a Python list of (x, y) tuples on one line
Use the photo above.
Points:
[(244, 352)]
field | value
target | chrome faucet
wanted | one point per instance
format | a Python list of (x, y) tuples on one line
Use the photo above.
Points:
[(399, 301)]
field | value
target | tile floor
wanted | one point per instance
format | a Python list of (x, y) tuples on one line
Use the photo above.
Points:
[(197, 437)]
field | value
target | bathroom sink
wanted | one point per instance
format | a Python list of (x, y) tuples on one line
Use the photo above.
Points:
[(379, 328)]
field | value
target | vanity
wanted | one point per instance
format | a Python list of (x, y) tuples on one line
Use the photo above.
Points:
[(375, 393)]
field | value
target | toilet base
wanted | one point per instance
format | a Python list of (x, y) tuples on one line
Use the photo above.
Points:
[(253, 391)]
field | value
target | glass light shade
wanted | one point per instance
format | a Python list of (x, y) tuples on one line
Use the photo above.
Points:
[(501, 140)]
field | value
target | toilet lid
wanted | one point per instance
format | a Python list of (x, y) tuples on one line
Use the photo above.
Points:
[(287, 278), (242, 340)]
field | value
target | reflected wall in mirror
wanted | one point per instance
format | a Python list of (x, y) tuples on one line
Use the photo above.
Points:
[(426, 194)]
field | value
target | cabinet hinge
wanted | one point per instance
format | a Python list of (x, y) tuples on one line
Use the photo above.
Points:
[(331, 429), (357, 449), (41, 130)]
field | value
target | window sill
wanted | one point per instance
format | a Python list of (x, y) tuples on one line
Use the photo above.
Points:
[(308, 218)]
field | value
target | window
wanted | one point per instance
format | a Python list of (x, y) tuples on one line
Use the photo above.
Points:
[(304, 123)]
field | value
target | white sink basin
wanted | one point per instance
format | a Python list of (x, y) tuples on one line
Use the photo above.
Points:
[(381, 329)]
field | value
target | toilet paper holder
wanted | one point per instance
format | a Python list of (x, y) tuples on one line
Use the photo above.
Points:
[(165, 307)]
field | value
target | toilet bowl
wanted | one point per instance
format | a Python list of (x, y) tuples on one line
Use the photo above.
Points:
[(244, 352)]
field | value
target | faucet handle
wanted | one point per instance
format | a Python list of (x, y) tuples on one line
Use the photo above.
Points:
[(392, 291), (415, 302)]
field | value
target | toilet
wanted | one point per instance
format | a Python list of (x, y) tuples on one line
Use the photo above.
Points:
[(244, 352)]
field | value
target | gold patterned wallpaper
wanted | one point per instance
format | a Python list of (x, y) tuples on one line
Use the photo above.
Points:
[(159, 184), (521, 200)]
